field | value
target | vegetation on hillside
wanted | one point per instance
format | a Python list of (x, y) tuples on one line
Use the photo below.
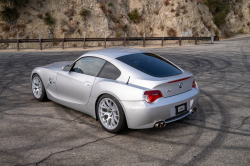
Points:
[(219, 9), (10, 12)]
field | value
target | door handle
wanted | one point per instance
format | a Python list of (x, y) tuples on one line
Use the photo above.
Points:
[(87, 83)]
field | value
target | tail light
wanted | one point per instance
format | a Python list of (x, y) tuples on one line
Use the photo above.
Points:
[(194, 84), (151, 96)]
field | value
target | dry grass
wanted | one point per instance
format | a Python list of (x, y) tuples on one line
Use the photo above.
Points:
[(56, 43), (171, 32), (6, 28), (118, 34), (166, 3), (104, 8), (21, 27)]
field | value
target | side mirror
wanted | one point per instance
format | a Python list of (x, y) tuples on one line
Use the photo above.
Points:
[(66, 68)]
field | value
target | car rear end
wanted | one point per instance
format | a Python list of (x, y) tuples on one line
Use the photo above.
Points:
[(171, 94)]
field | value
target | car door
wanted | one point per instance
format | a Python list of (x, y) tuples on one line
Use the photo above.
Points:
[(75, 86)]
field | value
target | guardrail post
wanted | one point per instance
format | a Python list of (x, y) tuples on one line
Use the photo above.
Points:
[(17, 43), (162, 40), (212, 40), (124, 43), (144, 41), (196, 41), (40, 42), (84, 40), (105, 40), (63, 43), (180, 41)]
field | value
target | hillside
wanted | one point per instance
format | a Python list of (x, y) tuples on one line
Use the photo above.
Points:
[(95, 18)]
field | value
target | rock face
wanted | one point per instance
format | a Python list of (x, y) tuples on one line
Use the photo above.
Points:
[(95, 18), (238, 20)]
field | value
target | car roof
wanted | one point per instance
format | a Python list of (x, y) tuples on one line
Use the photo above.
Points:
[(116, 52)]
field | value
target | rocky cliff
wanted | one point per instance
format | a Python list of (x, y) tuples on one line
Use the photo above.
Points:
[(114, 18)]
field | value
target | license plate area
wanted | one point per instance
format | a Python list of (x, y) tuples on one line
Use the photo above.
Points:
[(181, 108)]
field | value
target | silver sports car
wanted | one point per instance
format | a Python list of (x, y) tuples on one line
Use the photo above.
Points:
[(120, 87)]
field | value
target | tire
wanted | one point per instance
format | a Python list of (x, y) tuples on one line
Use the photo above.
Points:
[(38, 88), (110, 114)]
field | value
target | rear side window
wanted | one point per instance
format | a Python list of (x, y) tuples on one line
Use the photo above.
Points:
[(109, 71), (150, 64)]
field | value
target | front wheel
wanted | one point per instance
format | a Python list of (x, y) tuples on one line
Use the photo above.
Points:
[(110, 114), (38, 88)]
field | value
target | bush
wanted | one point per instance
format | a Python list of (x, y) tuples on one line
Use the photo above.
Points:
[(17, 2), (110, 4), (126, 27), (133, 15), (220, 19), (9, 14), (48, 20), (177, 14), (166, 3), (219, 9), (216, 32), (6, 28), (40, 16), (171, 32), (84, 13), (241, 31)]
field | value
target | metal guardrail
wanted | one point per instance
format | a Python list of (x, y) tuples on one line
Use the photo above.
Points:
[(105, 40)]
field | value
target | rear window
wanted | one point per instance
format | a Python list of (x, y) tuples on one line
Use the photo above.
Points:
[(150, 64)]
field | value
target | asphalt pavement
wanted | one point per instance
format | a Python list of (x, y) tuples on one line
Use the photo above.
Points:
[(46, 133)]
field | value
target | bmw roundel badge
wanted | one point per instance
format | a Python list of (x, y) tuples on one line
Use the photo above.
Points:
[(180, 85)]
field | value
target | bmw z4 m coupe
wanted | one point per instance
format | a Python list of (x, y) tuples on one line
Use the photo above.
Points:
[(120, 87)]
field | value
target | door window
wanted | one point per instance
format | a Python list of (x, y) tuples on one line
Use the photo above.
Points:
[(89, 65)]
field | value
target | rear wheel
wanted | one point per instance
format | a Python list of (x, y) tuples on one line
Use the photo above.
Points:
[(110, 114), (38, 88)]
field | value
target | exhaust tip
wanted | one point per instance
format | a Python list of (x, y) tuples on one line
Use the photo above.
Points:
[(194, 110), (160, 124)]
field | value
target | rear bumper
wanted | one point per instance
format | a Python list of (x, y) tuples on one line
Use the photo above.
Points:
[(141, 115)]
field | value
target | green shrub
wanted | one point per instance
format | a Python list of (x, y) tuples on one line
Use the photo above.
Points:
[(9, 14), (177, 14), (84, 13), (133, 15), (219, 9), (14, 2), (220, 19), (241, 31), (110, 4), (48, 20), (40, 16), (216, 32), (126, 27)]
